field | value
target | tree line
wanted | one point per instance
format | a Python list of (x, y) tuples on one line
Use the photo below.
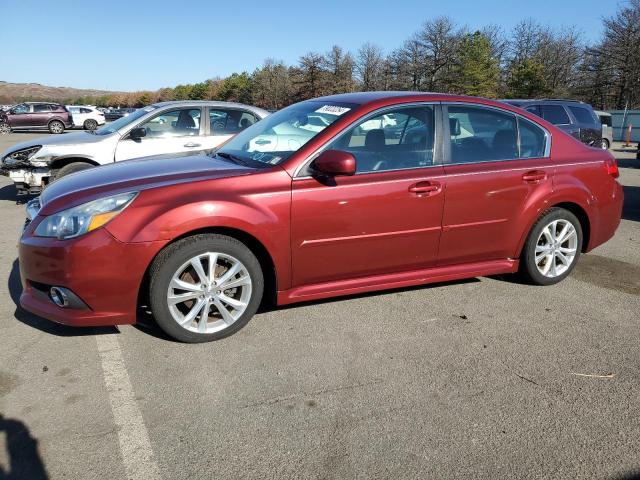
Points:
[(531, 61)]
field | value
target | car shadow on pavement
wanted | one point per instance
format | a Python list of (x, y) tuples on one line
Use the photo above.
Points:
[(8, 192), (22, 452), (631, 208), (15, 290)]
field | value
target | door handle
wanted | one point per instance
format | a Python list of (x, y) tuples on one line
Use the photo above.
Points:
[(534, 176), (425, 188), (192, 145)]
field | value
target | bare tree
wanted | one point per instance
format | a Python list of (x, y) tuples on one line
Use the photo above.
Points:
[(369, 66), (339, 66)]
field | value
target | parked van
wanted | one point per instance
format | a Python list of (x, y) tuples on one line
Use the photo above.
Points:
[(607, 129)]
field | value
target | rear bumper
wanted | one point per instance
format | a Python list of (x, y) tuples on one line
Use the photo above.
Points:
[(104, 273)]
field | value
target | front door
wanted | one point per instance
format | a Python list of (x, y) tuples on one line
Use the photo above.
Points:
[(20, 116), (491, 179), (174, 131), (384, 219)]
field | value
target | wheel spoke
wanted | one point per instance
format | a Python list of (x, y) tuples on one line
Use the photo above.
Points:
[(182, 297), (563, 232), (236, 304), (561, 256), (204, 316), (197, 266), (238, 282), (226, 315), (547, 264), (182, 285), (570, 251), (213, 261), (233, 270), (547, 235), (193, 313)]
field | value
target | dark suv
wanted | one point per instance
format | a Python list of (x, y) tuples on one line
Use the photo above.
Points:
[(34, 116), (574, 117)]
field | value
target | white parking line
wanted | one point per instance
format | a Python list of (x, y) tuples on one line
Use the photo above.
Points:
[(132, 433)]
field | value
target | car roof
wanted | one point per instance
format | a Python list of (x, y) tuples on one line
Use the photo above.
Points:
[(210, 103), (526, 101)]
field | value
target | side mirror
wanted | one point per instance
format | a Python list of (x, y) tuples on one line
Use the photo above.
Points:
[(335, 162), (137, 133)]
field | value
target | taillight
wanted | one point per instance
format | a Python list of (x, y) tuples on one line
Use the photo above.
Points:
[(611, 166)]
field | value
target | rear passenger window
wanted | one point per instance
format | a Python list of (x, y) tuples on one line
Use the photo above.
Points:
[(41, 107), (532, 139), (229, 122), (582, 115), (396, 140), (555, 114), (535, 109), (482, 135)]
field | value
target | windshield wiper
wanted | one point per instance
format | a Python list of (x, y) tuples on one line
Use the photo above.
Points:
[(233, 158)]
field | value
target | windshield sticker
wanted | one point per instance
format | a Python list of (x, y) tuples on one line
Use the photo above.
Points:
[(333, 110)]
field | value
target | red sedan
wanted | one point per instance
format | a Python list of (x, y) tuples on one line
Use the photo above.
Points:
[(333, 196)]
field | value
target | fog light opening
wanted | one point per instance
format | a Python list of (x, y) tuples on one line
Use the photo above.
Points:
[(59, 297)]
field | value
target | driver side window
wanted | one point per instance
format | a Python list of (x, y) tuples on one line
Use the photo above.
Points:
[(22, 108), (395, 140), (184, 122)]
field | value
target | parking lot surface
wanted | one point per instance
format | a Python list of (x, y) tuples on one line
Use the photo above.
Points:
[(484, 378)]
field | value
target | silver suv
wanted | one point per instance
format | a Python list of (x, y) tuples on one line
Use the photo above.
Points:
[(162, 128)]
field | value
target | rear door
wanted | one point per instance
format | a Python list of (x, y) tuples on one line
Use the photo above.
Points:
[(41, 114), (171, 131), (497, 167)]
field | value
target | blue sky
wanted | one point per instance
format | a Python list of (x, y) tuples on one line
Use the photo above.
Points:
[(137, 44)]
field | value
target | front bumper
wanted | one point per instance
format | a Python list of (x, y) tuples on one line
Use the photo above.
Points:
[(103, 272), (28, 180)]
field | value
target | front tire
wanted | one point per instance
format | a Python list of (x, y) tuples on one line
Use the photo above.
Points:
[(5, 128), (69, 169), (90, 125), (56, 127), (205, 287), (552, 248)]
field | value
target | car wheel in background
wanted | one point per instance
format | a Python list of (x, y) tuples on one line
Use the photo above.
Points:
[(552, 248), (605, 144), (69, 169), (90, 125), (56, 126), (205, 287), (5, 128)]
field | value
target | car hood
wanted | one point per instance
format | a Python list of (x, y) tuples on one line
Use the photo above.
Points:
[(67, 139), (134, 175)]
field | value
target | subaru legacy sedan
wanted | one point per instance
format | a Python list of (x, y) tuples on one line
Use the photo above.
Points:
[(454, 187)]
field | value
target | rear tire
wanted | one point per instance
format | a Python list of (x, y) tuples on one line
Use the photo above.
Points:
[(90, 125), (56, 127), (173, 275), (69, 169), (551, 252), (605, 144)]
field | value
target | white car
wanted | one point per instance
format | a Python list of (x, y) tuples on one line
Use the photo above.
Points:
[(161, 128), (86, 117)]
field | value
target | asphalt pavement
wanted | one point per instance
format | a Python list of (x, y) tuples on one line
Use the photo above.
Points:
[(483, 378)]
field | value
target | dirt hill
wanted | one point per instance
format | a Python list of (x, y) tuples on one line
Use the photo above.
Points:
[(17, 92)]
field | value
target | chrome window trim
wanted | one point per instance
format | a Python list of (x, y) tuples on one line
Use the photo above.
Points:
[(547, 134), (363, 119)]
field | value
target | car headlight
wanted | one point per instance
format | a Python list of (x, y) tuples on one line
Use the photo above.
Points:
[(20, 156), (84, 218)]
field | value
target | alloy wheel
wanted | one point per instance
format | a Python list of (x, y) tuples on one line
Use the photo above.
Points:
[(56, 127), (556, 248), (4, 128), (209, 292)]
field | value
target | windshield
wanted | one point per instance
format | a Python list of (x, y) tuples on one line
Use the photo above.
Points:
[(275, 138), (124, 121)]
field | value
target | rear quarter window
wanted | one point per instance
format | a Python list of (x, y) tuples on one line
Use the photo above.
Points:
[(583, 115), (555, 114)]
